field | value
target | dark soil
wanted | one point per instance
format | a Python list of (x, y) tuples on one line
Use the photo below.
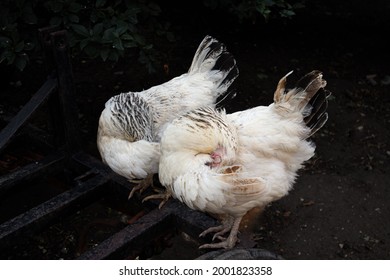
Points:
[(339, 207)]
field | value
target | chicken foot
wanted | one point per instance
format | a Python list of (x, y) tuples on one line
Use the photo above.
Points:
[(164, 195), (142, 185), (230, 241)]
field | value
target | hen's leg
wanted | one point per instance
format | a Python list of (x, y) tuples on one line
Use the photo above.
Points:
[(163, 195), (142, 185), (226, 226), (227, 243)]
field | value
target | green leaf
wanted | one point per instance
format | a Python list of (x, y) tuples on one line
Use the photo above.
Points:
[(80, 29), (73, 18), (98, 28), (121, 27), (287, 13), (84, 43), (127, 37), (118, 45), (109, 34)]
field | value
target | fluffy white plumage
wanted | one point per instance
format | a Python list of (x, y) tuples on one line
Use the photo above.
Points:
[(228, 164), (131, 124)]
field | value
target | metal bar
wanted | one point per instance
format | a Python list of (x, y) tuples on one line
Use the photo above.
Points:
[(66, 90), (120, 184), (39, 137), (190, 221), (173, 216), (41, 215), (55, 121), (93, 163), (118, 245), (45, 41), (25, 113), (47, 165)]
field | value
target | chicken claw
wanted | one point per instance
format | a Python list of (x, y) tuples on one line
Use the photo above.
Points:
[(219, 231), (229, 242), (142, 185), (163, 195)]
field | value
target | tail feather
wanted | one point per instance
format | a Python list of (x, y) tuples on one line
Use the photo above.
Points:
[(311, 83), (208, 48), (307, 97), (318, 124), (319, 105), (213, 59)]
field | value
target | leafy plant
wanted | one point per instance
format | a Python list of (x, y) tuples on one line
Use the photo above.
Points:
[(15, 45), (252, 9), (63, 12), (108, 30), (100, 28), (14, 50)]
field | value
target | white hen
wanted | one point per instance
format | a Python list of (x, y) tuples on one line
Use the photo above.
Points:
[(228, 164), (131, 124)]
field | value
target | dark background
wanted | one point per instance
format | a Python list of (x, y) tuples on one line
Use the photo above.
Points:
[(339, 207)]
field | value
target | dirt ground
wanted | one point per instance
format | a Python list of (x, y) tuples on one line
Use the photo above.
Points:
[(339, 207)]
